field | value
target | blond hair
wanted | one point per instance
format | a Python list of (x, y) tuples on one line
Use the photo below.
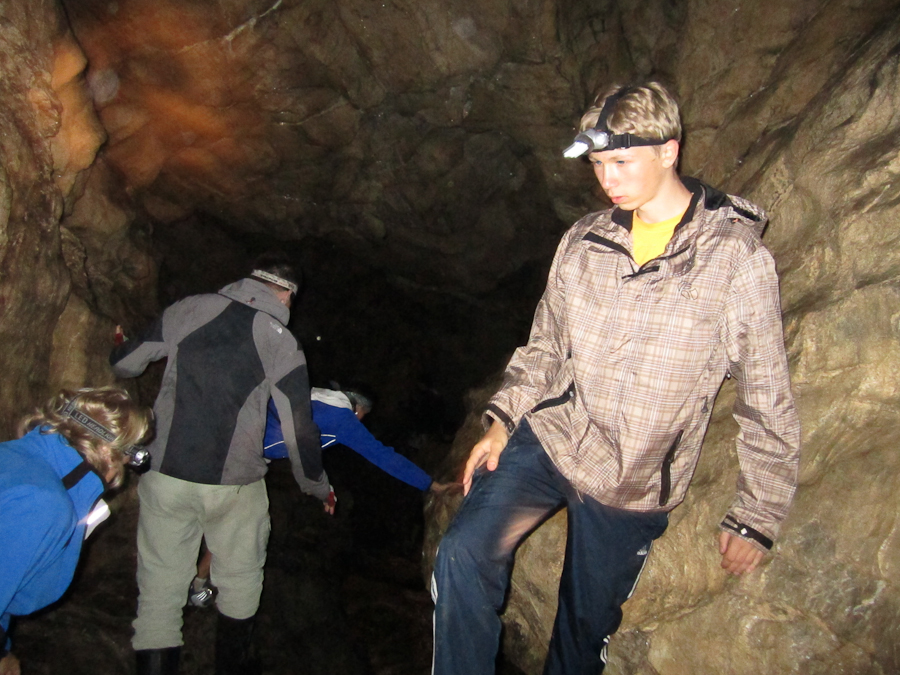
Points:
[(647, 110), (113, 408)]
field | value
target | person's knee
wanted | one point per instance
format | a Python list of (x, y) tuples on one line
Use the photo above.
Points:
[(449, 549), (459, 553)]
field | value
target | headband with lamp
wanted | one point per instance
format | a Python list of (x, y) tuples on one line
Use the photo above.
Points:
[(137, 455), (600, 138), (275, 279)]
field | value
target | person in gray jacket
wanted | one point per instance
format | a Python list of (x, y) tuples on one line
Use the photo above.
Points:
[(228, 354)]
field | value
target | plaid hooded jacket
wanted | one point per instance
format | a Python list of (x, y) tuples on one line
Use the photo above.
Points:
[(623, 363)]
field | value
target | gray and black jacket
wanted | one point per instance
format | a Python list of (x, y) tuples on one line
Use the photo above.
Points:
[(228, 353)]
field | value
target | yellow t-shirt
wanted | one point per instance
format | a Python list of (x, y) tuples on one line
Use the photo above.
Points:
[(649, 239)]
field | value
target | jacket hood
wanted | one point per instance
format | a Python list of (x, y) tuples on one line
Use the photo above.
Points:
[(336, 399), (257, 295), (745, 211)]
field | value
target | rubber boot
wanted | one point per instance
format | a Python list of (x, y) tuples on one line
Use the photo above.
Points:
[(158, 661), (233, 646)]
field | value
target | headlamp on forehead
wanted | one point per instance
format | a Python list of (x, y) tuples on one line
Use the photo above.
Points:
[(275, 279), (137, 455), (600, 138)]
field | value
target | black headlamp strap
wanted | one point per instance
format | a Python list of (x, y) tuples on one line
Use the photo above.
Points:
[(620, 141), (74, 477), (607, 109)]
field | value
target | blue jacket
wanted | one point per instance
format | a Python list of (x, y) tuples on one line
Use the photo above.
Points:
[(42, 524), (338, 424)]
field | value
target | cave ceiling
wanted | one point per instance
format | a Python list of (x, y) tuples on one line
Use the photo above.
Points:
[(424, 136)]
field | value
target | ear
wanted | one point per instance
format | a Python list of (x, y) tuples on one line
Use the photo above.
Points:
[(284, 297), (668, 153)]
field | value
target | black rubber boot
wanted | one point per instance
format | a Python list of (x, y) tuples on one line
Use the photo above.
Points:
[(158, 661), (233, 646)]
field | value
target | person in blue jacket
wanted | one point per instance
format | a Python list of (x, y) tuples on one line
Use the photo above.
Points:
[(70, 451), (339, 415)]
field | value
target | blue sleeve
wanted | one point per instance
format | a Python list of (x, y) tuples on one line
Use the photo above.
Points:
[(32, 524), (273, 441), (349, 431)]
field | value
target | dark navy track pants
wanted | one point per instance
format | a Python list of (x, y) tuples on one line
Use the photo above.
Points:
[(605, 552)]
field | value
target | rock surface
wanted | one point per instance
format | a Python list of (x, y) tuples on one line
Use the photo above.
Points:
[(65, 273), (410, 150)]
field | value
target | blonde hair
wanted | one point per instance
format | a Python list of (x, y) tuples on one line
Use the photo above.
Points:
[(113, 408), (647, 110)]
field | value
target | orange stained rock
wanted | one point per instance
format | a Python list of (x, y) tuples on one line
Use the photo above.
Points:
[(80, 134)]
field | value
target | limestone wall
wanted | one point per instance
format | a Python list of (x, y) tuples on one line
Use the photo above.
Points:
[(70, 267)]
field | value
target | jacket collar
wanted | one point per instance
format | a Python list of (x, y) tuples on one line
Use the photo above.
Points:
[(695, 187), (257, 295), (705, 201), (336, 399)]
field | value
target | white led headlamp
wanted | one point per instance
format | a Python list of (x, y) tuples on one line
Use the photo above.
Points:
[(601, 138), (275, 279)]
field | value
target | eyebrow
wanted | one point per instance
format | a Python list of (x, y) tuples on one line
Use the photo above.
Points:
[(612, 158)]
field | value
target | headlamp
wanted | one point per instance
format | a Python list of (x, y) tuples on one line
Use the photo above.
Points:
[(137, 455), (275, 279), (601, 138)]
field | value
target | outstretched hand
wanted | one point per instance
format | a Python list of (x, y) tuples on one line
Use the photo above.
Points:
[(443, 488), (330, 503), (485, 452), (739, 556)]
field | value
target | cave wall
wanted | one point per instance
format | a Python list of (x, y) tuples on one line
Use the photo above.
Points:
[(68, 266)]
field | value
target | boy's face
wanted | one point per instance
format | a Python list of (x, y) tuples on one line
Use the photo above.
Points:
[(633, 177)]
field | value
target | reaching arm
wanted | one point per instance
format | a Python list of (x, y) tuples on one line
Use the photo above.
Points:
[(349, 431), (35, 524), (130, 358)]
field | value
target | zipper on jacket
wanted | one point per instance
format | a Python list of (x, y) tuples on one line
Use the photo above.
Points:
[(642, 270), (567, 395), (665, 486), (653, 264)]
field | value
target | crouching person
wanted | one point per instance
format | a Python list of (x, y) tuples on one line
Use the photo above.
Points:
[(70, 451)]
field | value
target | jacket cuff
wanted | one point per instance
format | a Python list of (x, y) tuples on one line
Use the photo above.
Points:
[(733, 526), (492, 412)]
